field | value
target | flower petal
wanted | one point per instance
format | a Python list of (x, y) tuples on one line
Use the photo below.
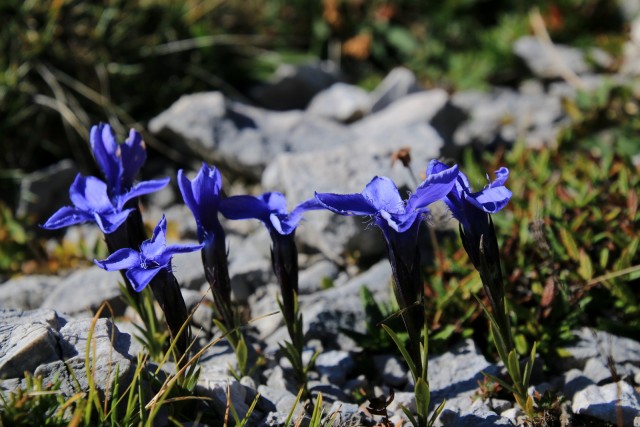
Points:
[(122, 259), (276, 202), (140, 277), (90, 194), (67, 216), (245, 207), (155, 246), (384, 195), (296, 215), (187, 195), (435, 187), (105, 150), (491, 200), (111, 221), (142, 188), (502, 175), (182, 249), (132, 158), (346, 204)]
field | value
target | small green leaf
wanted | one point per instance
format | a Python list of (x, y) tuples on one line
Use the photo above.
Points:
[(403, 351), (569, 243), (585, 269), (422, 395), (513, 366)]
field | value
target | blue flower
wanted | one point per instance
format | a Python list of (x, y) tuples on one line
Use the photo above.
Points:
[(399, 222), (91, 203), (470, 208), (144, 265), (202, 196), (270, 208), (120, 163), (381, 201)]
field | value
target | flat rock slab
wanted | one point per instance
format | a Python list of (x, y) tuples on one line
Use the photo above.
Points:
[(614, 403), (29, 339)]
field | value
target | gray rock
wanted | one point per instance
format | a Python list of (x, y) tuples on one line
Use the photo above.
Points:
[(327, 312), (26, 292), (544, 62), (282, 399), (392, 371), (598, 344), (597, 371), (419, 107), (221, 389), (334, 366), (45, 191), (607, 401), (575, 381), (86, 290), (293, 86), (458, 413), (456, 372), (402, 398), (340, 170), (505, 115), (311, 279), (108, 354), (345, 414), (341, 102), (188, 269), (29, 339), (397, 84), (249, 264), (238, 137)]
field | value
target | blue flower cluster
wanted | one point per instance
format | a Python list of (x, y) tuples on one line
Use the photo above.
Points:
[(109, 203)]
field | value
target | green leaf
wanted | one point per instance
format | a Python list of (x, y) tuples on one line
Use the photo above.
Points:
[(316, 417), (422, 395), (401, 39), (585, 269), (403, 351), (569, 243), (410, 416), (436, 413), (513, 366)]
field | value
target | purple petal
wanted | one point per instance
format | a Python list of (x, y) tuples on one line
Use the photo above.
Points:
[(491, 200), (133, 157), (111, 221), (106, 151), (435, 187), (142, 188), (502, 175), (155, 246), (140, 277), (296, 215), (181, 249), (187, 195), (346, 204), (245, 207), (275, 202), (383, 194), (65, 217), (122, 259), (90, 194), (436, 166)]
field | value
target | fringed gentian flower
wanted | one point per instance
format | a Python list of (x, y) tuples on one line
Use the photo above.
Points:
[(473, 210), (120, 163), (92, 203), (271, 209), (398, 220), (400, 223), (154, 256), (202, 196), (152, 266)]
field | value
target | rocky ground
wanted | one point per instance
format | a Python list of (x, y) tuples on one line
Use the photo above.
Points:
[(341, 140)]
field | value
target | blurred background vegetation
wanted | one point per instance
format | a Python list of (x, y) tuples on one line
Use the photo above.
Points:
[(68, 64)]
